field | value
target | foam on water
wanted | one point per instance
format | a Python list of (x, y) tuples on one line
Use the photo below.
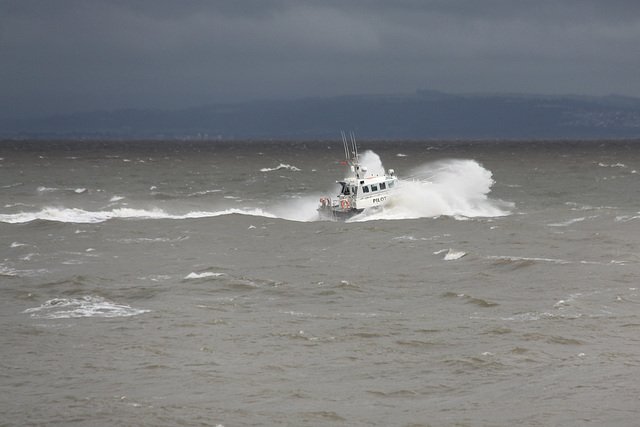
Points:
[(76, 215), (281, 166), (453, 255), (502, 308), (517, 259), (301, 210), (88, 306), (12, 272), (456, 188), (203, 275)]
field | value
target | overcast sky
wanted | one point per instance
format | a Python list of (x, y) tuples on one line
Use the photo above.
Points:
[(63, 56)]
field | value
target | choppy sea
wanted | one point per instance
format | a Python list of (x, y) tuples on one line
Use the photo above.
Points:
[(175, 283)]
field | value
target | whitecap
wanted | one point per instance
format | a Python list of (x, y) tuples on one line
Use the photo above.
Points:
[(46, 189), (297, 313), (568, 222), (616, 165), (453, 255), (300, 210), (9, 272), (203, 275), (625, 218), (248, 212), (527, 259), (456, 188), (12, 272), (16, 184), (281, 166), (561, 305), (203, 193), (405, 237), (528, 317), (75, 215), (88, 306)]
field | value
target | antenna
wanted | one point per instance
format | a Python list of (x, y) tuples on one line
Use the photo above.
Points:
[(350, 147), (354, 146), (345, 145)]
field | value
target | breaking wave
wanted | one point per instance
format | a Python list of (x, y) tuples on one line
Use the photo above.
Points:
[(204, 275), (281, 166), (75, 215), (454, 188), (89, 306)]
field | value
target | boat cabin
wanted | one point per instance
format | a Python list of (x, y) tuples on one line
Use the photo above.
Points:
[(358, 192), (361, 193)]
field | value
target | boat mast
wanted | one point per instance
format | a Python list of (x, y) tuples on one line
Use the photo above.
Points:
[(350, 148), (354, 148), (345, 145)]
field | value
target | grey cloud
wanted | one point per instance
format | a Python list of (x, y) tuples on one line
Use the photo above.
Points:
[(75, 55)]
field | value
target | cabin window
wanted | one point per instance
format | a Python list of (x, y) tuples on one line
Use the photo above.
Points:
[(354, 190), (365, 188), (374, 187), (383, 186), (390, 184)]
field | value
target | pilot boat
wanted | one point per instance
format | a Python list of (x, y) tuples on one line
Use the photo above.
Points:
[(361, 191)]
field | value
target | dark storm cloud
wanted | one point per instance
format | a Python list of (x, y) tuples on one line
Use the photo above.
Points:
[(70, 55)]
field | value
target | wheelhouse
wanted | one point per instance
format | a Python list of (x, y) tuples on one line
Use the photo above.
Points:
[(360, 191)]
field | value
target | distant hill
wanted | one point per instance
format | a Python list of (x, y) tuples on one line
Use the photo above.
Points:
[(424, 115)]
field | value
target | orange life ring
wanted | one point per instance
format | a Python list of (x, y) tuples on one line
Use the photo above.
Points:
[(345, 204), (322, 201)]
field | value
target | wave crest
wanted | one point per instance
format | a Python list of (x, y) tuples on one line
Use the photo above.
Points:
[(81, 216), (88, 306), (281, 166), (456, 188)]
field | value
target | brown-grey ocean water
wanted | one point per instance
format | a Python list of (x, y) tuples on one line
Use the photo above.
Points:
[(160, 283)]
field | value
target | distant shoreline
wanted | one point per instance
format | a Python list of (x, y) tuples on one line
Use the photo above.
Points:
[(425, 115), (35, 145)]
